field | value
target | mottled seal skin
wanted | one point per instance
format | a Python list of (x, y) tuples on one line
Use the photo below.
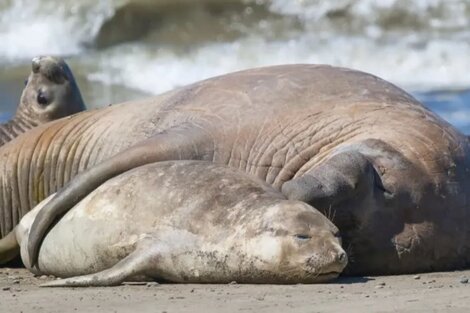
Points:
[(190, 222), (392, 175), (50, 93)]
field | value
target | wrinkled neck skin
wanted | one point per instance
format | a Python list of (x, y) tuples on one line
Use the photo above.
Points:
[(16, 126), (11, 245)]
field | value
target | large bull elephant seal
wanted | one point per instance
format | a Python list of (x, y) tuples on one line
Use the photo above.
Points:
[(393, 176), (50, 93), (191, 222)]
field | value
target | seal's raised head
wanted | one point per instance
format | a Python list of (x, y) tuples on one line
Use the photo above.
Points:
[(50, 91), (297, 243)]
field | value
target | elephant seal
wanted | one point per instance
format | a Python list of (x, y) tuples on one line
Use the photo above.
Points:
[(50, 93), (188, 222), (394, 175)]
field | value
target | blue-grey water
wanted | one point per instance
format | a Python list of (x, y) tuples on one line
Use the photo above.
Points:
[(453, 106)]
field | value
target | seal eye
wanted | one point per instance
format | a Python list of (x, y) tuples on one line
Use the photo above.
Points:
[(41, 98), (302, 237), (25, 81)]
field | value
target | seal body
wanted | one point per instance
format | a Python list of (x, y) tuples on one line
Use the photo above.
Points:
[(392, 175), (189, 221), (50, 93)]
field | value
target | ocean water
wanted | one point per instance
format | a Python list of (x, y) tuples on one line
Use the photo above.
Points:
[(124, 49)]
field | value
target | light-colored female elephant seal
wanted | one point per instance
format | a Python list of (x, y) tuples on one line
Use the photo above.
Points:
[(50, 93), (188, 221)]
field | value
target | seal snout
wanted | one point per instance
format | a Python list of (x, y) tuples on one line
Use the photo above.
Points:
[(340, 260), (331, 262), (341, 257)]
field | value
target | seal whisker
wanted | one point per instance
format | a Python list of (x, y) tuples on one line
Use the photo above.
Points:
[(332, 219), (350, 253), (330, 213)]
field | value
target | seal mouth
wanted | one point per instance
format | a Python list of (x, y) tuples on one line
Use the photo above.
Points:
[(329, 274), (325, 277)]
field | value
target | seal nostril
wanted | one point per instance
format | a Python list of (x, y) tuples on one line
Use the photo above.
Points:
[(342, 257), (42, 99)]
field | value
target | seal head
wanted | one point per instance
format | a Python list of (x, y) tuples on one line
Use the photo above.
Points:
[(50, 92), (297, 244)]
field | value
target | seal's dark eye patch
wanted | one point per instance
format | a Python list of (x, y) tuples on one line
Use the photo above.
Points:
[(25, 81), (302, 237), (41, 98)]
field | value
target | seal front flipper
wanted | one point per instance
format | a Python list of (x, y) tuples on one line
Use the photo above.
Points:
[(184, 142), (346, 175), (353, 173), (134, 264), (356, 187), (347, 189)]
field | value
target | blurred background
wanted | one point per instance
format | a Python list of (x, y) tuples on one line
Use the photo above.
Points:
[(125, 49)]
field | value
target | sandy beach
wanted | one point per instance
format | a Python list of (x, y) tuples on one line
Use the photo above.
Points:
[(433, 292)]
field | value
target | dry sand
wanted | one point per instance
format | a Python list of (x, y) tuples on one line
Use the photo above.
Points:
[(434, 292)]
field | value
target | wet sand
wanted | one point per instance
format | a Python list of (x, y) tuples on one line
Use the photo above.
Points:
[(433, 292)]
